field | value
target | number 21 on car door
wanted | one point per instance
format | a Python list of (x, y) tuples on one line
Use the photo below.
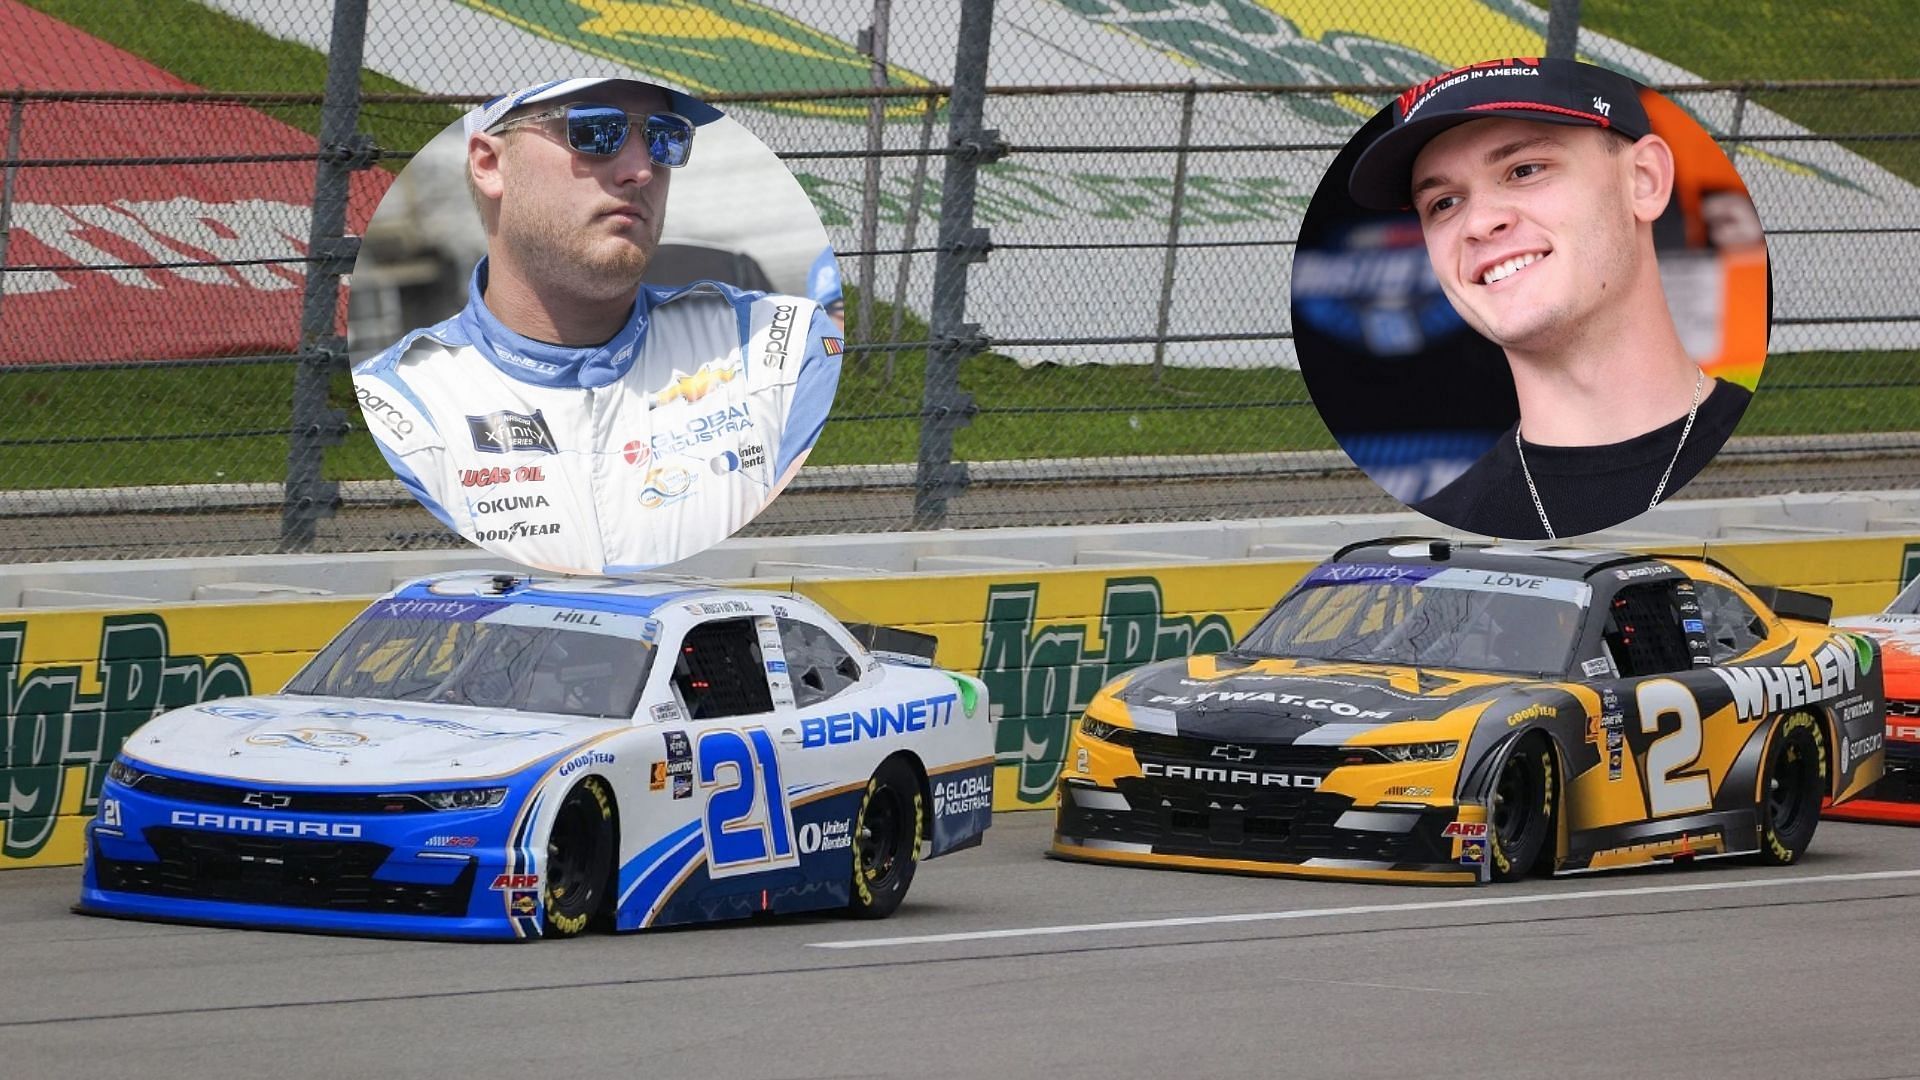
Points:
[(746, 818)]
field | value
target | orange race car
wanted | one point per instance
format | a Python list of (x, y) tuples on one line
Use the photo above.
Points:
[(1896, 798)]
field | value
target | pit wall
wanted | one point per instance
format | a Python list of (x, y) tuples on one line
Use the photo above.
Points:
[(77, 683)]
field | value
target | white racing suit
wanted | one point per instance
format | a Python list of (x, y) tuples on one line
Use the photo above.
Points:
[(610, 458)]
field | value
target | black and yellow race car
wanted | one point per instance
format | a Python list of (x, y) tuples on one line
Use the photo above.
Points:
[(1417, 710)]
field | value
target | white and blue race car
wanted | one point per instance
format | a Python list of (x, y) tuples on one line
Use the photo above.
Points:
[(484, 756)]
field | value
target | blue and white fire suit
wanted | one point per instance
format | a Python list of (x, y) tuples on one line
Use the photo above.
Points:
[(610, 458)]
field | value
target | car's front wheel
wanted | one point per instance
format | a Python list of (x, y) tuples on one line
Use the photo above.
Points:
[(580, 854), (1521, 825), (886, 840), (1791, 785)]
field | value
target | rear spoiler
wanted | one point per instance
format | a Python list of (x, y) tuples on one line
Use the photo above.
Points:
[(894, 645), (1794, 604)]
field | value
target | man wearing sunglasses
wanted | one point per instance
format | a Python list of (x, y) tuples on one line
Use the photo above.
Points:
[(570, 417)]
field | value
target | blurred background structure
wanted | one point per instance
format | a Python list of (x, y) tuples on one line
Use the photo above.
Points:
[(1065, 230)]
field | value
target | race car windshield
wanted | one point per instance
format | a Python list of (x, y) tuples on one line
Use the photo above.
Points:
[(509, 657), (1908, 602), (1468, 620)]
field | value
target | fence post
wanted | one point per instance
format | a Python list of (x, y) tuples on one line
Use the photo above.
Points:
[(1563, 28), (944, 407), (876, 50), (313, 426), (16, 111), (914, 203), (1173, 232)]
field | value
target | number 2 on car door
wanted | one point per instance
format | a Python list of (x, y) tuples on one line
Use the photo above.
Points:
[(1674, 751), (745, 817)]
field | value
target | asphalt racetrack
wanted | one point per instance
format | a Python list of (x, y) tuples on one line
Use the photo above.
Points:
[(1005, 964)]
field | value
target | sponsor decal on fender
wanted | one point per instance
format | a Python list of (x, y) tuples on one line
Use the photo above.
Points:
[(1533, 712), (504, 882), (585, 760), (881, 720), (1852, 751), (1470, 829), (1759, 691), (824, 836), (962, 795)]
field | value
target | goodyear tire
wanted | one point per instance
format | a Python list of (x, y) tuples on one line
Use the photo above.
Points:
[(1521, 818), (886, 840), (579, 867), (1791, 784)]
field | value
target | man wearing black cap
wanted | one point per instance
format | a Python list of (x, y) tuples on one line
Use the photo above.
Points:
[(570, 417), (1537, 183)]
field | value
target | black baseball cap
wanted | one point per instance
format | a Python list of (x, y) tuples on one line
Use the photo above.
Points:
[(1549, 90)]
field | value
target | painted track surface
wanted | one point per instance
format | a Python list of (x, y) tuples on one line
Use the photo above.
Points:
[(1721, 970)]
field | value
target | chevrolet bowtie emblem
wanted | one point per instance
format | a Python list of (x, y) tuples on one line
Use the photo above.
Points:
[(1233, 753), (266, 800)]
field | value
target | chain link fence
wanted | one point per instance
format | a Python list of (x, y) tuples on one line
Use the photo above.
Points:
[(1068, 235)]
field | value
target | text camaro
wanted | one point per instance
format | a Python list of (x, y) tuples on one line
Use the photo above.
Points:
[(478, 756), (1420, 711)]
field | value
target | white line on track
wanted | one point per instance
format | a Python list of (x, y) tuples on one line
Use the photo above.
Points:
[(1366, 909)]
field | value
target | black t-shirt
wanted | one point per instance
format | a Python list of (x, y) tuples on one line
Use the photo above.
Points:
[(1583, 488)]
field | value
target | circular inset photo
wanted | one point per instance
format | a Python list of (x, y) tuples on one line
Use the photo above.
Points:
[(582, 329), (1531, 298)]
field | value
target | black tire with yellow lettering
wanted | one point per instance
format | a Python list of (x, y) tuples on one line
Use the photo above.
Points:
[(1791, 785), (1521, 817), (886, 840), (579, 867)]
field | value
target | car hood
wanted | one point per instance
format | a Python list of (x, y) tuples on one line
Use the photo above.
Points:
[(1285, 701), (347, 742)]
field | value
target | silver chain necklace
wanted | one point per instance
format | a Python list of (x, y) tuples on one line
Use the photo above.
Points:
[(1692, 410)]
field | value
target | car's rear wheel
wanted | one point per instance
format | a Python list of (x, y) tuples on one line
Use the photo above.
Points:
[(1521, 824), (886, 840), (1791, 785), (579, 864)]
